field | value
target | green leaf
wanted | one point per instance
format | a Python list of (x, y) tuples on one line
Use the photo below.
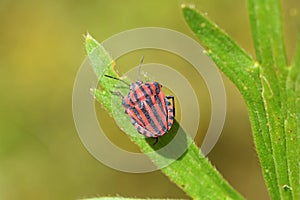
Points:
[(292, 128), (268, 86), (278, 94), (292, 125), (192, 171), (266, 23), (244, 73)]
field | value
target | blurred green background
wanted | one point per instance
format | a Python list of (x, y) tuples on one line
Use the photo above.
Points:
[(41, 49)]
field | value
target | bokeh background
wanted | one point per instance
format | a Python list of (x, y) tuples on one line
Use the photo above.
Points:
[(41, 49)]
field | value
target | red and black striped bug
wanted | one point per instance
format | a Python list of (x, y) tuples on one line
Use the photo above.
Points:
[(149, 109)]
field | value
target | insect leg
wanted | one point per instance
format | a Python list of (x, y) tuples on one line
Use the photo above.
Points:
[(118, 93), (156, 141), (173, 103)]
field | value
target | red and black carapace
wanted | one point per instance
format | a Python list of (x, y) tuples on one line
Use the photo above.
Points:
[(149, 109)]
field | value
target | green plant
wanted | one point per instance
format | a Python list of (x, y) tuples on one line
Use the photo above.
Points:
[(270, 87)]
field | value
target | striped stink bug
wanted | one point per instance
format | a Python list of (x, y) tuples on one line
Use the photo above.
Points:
[(150, 111)]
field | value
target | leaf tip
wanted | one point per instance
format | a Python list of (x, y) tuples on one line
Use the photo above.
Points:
[(191, 6), (187, 10), (182, 6), (88, 36), (90, 43)]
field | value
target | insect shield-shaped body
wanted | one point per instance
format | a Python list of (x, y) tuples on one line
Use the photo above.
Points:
[(149, 109)]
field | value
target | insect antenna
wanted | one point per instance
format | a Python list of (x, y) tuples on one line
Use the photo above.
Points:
[(140, 66), (117, 79)]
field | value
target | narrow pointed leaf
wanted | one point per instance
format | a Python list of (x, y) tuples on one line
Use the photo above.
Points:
[(278, 94), (245, 74), (192, 171)]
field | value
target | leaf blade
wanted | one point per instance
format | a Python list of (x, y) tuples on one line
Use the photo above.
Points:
[(192, 172), (245, 74), (266, 23), (293, 122)]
